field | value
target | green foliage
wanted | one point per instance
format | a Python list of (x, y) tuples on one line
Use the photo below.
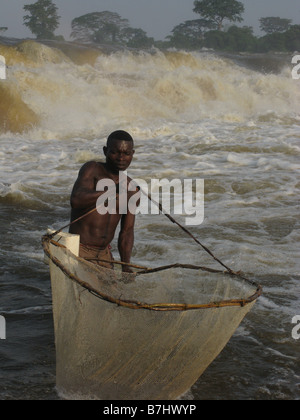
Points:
[(108, 28), (189, 34), (216, 40), (274, 24), (235, 39), (193, 35), (286, 41), (59, 38), (207, 31), (271, 42), (241, 39), (216, 11), (136, 38), (42, 18), (292, 38), (98, 27)]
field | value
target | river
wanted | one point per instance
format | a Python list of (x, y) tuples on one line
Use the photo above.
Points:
[(228, 120)]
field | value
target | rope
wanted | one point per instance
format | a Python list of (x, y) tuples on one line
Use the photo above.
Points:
[(144, 270), (133, 304), (165, 214), (187, 232)]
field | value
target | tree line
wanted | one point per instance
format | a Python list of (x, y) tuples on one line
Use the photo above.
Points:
[(215, 28)]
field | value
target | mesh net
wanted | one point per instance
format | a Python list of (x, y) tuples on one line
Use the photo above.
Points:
[(139, 336)]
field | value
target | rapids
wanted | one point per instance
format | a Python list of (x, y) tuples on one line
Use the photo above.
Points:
[(232, 120)]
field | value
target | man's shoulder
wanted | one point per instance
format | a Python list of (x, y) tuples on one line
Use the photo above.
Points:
[(92, 166)]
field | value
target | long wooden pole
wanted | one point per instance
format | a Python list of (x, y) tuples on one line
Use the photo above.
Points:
[(165, 214)]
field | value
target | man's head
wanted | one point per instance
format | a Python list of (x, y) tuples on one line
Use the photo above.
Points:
[(119, 150)]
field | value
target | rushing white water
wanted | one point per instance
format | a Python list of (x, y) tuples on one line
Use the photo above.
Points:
[(192, 115)]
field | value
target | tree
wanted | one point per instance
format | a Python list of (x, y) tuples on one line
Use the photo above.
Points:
[(42, 19), (216, 11), (189, 34), (281, 41), (274, 24), (271, 42), (136, 38), (3, 28), (292, 38), (216, 40), (99, 27), (241, 39), (235, 39)]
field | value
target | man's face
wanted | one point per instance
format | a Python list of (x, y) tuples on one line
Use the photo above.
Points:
[(119, 154)]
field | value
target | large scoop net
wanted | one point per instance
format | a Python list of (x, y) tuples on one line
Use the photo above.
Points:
[(147, 335)]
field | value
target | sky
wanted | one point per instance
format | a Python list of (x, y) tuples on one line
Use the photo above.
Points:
[(156, 17)]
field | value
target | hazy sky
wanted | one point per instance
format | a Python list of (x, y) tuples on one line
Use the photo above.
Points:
[(156, 17)]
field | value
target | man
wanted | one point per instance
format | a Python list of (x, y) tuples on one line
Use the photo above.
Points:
[(98, 230)]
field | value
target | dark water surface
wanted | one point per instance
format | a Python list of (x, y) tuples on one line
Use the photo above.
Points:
[(192, 116)]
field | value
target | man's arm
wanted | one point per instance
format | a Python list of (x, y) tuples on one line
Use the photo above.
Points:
[(84, 194), (126, 239)]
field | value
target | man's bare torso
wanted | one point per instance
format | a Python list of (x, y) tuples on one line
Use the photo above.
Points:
[(94, 229)]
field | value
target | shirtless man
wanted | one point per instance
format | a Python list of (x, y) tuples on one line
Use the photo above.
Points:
[(98, 230)]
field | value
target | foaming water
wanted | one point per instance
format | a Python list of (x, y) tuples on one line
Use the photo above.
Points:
[(192, 115), (59, 93)]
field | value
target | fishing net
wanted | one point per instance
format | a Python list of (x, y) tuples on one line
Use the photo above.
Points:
[(147, 335)]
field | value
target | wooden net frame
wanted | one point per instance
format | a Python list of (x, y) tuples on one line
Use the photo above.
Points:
[(134, 304)]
